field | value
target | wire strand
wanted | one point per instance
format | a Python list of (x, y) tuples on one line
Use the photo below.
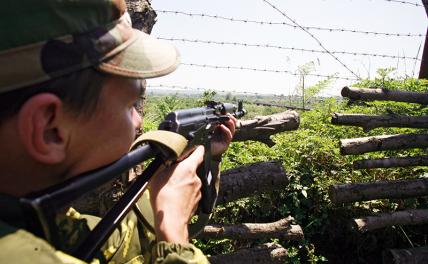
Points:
[(215, 42), (230, 19), (265, 70), (405, 2)]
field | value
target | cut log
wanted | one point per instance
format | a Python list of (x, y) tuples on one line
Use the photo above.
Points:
[(262, 127), (408, 217), (368, 122), (391, 162), (142, 15), (356, 146), (399, 189), (267, 253), (251, 179), (282, 229), (382, 94), (405, 256)]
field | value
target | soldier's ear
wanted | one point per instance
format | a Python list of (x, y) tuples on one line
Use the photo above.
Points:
[(41, 128)]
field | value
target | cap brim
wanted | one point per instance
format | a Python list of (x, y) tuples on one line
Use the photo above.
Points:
[(146, 57)]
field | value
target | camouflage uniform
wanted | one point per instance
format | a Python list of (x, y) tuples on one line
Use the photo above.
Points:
[(129, 243), (42, 40)]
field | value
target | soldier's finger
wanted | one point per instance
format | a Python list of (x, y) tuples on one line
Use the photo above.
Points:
[(226, 133), (197, 156), (231, 123)]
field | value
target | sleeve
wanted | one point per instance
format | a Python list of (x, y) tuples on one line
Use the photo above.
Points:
[(166, 253)]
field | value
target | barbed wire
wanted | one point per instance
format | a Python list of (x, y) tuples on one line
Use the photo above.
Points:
[(286, 48), (231, 19), (312, 36), (267, 70), (404, 2)]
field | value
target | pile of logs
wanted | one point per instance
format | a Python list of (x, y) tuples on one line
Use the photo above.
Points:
[(398, 189)]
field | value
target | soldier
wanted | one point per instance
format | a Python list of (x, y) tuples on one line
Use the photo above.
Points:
[(70, 73)]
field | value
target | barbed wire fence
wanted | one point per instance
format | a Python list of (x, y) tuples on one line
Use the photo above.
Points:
[(291, 23)]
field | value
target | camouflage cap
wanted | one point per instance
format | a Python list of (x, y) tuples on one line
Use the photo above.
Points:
[(42, 40)]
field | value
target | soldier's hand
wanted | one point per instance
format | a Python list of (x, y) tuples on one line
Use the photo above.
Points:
[(222, 137), (175, 194)]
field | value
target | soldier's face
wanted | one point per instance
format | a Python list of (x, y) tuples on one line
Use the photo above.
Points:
[(110, 130)]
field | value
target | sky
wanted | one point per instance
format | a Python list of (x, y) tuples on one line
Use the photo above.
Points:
[(386, 16)]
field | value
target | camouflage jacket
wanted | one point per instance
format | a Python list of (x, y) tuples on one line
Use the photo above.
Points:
[(129, 243)]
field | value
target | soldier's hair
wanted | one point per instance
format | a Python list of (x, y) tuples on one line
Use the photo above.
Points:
[(79, 92)]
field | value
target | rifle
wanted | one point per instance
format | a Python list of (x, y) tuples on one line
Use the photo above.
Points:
[(196, 125)]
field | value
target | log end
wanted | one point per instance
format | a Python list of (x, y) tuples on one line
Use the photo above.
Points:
[(358, 165), (342, 149), (361, 224), (334, 119), (332, 194), (296, 233), (345, 91)]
